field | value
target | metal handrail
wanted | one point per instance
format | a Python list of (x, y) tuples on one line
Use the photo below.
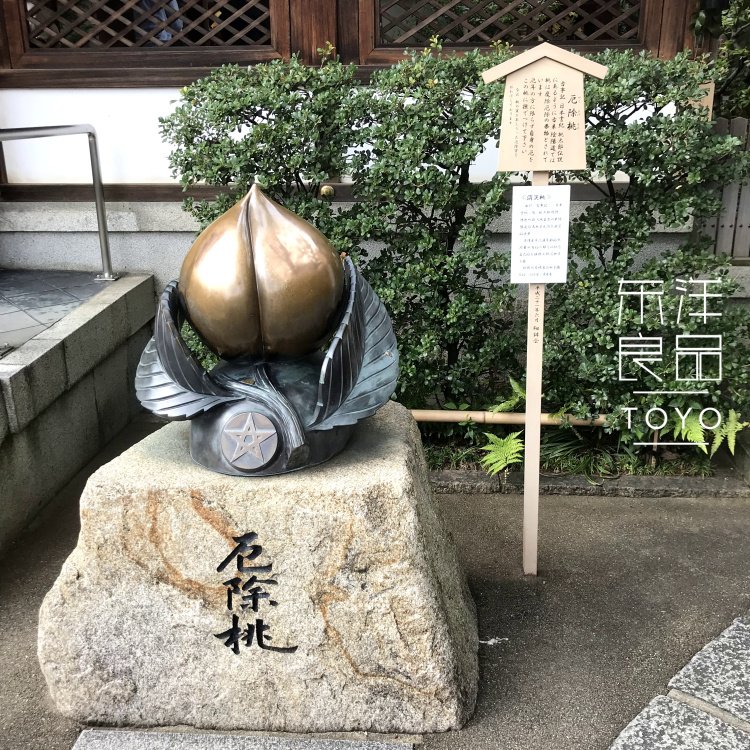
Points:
[(17, 134)]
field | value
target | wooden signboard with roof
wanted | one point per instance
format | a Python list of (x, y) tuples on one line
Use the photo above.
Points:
[(542, 130)]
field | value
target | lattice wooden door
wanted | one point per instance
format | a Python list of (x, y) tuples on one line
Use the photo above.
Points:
[(170, 42), (389, 24), (112, 35), (100, 24)]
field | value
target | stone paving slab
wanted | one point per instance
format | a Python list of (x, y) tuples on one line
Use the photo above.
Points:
[(666, 724), (31, 301), (719, 674), (119, 739)]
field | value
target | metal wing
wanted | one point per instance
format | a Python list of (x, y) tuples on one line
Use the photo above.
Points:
[(360, 369), (169, 380), (343, 361)]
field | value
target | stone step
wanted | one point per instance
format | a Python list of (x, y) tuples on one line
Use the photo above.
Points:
[(667, 724), (719, 674)]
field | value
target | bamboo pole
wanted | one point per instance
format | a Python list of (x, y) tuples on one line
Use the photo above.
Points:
[(489, 417)]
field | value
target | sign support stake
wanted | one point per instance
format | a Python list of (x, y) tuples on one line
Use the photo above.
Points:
[(543, 130), (534, 354)]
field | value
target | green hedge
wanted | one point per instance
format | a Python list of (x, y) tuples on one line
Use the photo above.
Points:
[(408, 139)]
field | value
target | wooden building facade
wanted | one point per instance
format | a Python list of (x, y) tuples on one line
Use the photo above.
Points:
[(126, 43)]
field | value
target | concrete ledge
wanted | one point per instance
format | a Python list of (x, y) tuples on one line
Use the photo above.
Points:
[(455, 481), (33, 376), (157, 253), (122, 216), (39, 460), (4, 426), (66, 393), (153, 237), (168, 216)]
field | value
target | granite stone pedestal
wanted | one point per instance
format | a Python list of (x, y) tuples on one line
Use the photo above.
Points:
[(325, 600)]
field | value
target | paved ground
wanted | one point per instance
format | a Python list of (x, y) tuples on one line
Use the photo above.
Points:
[(630, 589), (31, 301)]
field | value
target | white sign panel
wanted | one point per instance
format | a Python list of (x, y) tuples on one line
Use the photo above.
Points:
[(539, 239)]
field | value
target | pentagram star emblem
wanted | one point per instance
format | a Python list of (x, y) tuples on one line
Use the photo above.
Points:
[(249, 440)]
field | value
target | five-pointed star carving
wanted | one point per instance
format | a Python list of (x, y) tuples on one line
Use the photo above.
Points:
[(257, 435)]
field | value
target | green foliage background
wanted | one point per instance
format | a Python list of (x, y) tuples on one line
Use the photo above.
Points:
[(421, 229), (731, 30), (425, 121), (284, 125), (675, 164)]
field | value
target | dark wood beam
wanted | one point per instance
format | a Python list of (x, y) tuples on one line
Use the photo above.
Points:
[(313, 24), (343, 192), (347, 31)]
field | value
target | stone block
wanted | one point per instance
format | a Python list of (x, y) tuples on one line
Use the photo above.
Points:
[(37, 462), (112, 391), (4, 426), (146, 627), (88, 335), (94, 330), (123, 739), (141, 302), (666, 724), (136, 294), (31, 378), (20, 486), (118, 311), (720, 672)]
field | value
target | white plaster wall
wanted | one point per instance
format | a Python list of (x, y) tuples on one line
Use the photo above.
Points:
[(127, 126)]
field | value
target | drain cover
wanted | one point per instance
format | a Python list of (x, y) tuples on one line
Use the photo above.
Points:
[(5, 349)]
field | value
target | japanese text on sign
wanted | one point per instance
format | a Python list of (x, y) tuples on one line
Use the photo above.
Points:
[(543, 119), (247, 590), (539, 238)]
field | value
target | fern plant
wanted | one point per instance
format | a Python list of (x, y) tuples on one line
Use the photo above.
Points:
[(516, 398), (691, 429), (728, 429), (501, 452)]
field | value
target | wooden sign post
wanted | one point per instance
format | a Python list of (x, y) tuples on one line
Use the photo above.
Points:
[(543, 129)]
